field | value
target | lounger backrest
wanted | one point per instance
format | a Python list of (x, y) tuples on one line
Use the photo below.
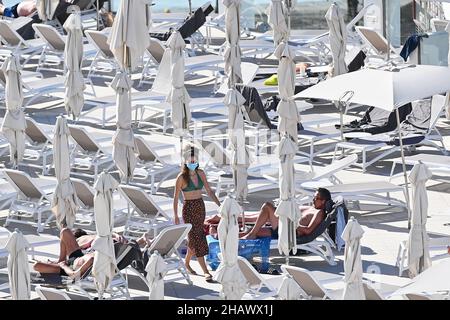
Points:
[(2, 78), (9, 35), (156, 49), (336, 166), (216, 152), (306, 281), (51, 294), (34, 132), (438, 24), (140, 201), (99, 40), (371, 293), (23, 183), (250, 274), (83, 139), (438, 103), (376, 41), (50, 36), (170, 239), (144, 151), (85, 4), (84, 193), (415, 296)]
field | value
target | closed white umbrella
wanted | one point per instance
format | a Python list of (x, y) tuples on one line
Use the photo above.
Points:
[(418, 249), (18, 269), (14, 124), (124, 145), (65, 203), (105, 265), (277, 20), (156, 269), (287, 210), (289, 289), (338, 38), (73, 58), (436, 278), (352, 235), (232, 53), (129, 36), (46, 9), (228, 273), (178, 96), (287, 108)]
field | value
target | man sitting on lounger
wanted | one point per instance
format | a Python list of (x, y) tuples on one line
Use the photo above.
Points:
[(74, 257), (311, 218)]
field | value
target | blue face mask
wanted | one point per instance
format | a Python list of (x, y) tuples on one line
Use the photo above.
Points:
[(192, 166)]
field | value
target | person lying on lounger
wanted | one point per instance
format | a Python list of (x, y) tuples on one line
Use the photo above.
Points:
[(73, 261), (21, 9), (311, 218)]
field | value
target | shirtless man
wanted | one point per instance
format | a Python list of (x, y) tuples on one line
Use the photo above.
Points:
[(21, 9), (311, 218)]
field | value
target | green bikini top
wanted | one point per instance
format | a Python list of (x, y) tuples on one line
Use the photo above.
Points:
[(191, 186)]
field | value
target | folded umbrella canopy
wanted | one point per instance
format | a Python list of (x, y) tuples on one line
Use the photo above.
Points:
[(287, 210), (338, 38), (277, 20), (64, 203), (228, 273), (73, 59), (124, 145), (232, 53), (156, 269), (18, 270), (178, 96), (14, 124), (129, 36), (418, 248), (352, 235), (105, 265), (46, 8)]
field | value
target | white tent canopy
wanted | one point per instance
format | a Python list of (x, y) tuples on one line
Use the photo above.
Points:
[(382, 88)]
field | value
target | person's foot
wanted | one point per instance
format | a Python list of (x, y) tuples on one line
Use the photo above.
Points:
[(190, 270), (208, 277)]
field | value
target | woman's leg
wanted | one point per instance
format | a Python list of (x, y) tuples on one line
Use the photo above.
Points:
[(187, 260), (43, 267), (267, 214), (68, 241), (201, 261)]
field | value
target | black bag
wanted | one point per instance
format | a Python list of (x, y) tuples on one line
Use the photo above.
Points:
[(271, 103), (127, 253)]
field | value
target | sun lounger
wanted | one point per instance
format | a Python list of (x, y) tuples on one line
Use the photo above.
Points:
[(33, 201), (377, 44), (85, 215), (148, 212), (388, 143), (7, 194), (312, 287), (90, 153), (104, 60), (36, 242), (39, 144), (52, 54), (437, 164)]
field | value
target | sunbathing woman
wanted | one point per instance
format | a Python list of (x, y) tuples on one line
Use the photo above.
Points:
[(73, 262), (190, 182)]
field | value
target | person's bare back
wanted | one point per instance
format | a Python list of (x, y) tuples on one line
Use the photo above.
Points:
[(25, 8)]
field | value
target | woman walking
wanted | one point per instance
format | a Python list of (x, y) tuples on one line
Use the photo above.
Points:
[(190, 182)]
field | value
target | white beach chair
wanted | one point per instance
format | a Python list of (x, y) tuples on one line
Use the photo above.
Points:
[(90, 153), (39, 144), (85, 215), (33, 201), (37, 244), (104, 63), (51, 294), (148, 212), (377, 45), (379, 142), (437, 164), (258, 287), (167, 243), (312, 287), (7, 194)]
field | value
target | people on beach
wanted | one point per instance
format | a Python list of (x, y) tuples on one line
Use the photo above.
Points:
[(20, 9), (75, 256), (312, 216), (190, 182)]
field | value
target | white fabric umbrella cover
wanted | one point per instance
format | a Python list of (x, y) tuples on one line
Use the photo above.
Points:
[(46, 9), (73, 59), (232, 53), (418, 248), (228, 273), (352, 235), (18, 269), (277, 20), (338, 38), (14, 124), (156, 270), (124, 145), (65, 201)]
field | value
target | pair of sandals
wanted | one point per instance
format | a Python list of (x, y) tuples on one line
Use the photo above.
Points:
[(208, 277)]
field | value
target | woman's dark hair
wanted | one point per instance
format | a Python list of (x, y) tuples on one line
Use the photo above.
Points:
[(324, 194), (185, 169), (79, 232)]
